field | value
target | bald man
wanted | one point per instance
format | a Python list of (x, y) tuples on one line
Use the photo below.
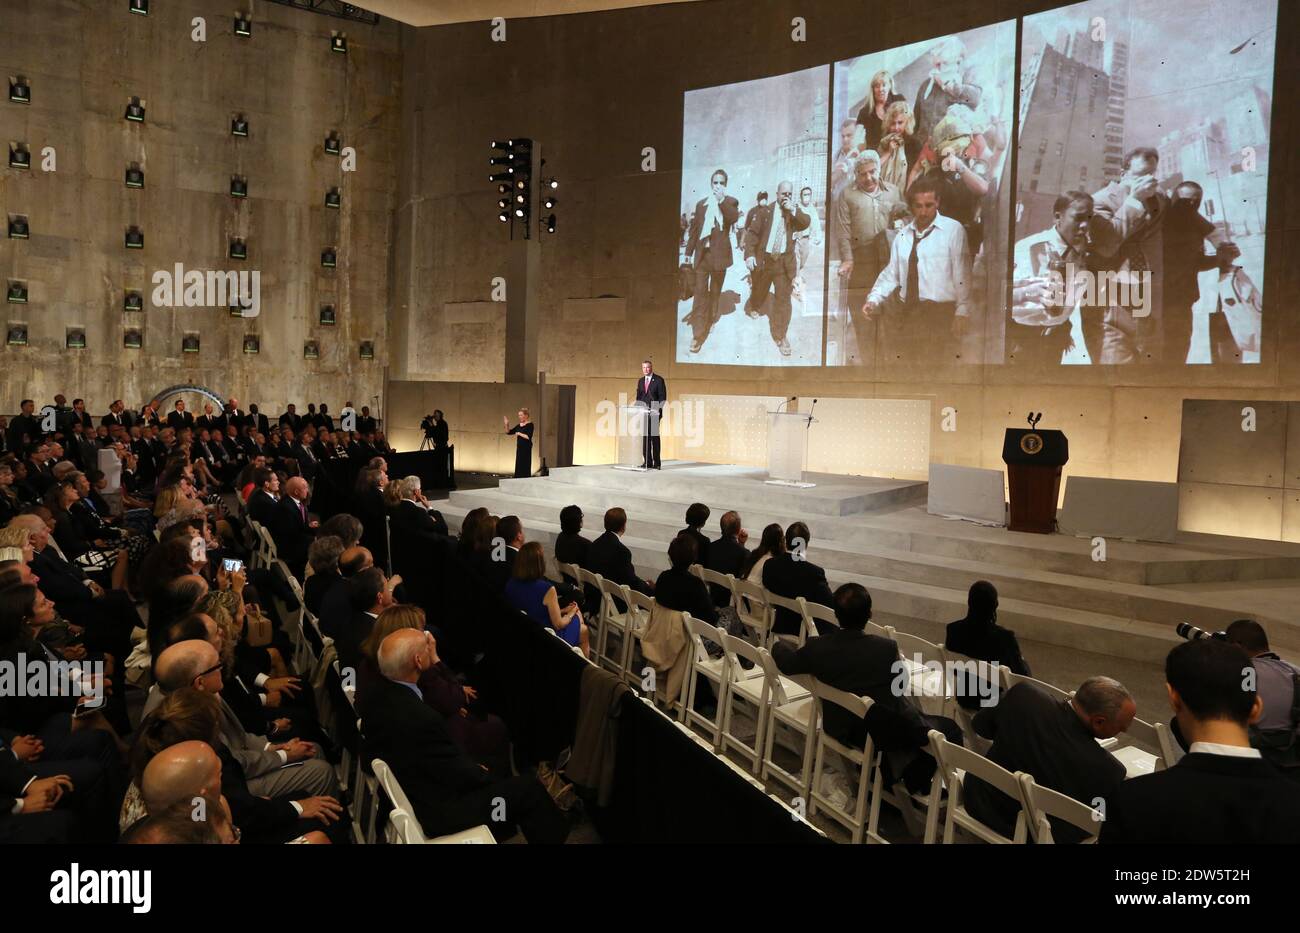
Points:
[(336, 604), (293, 527), (196, 664), (182, 773), (447, 790)]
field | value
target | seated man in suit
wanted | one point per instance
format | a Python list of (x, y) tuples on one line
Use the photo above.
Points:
[(369, 594), (1222, 790), (196, 664), (727, 555), (447, 790), (610, 558), (294, 528), (414, 512), (979, 636), (792, 575), (868, 665), (571, 547), (1056, 742)]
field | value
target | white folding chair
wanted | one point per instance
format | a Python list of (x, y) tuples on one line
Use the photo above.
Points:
[(962, 672), (796, 815), (403, 828), (715, 578), (882, 631), (639, 608), (569, 571), (955, 763), (752, 610), (927, 678), (713, 670), (796, 606), (761, 687), (365, 799), (1041, 802), (864, 757), (269, 553), (1011, 678), (615, 621), (594, 622), (816, 612), (1144, 739)]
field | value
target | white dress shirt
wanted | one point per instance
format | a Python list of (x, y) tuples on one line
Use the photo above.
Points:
[(1232, 751), (943, 263)]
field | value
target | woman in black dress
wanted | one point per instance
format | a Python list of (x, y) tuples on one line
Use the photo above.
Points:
[(879, 97), (523, 432)]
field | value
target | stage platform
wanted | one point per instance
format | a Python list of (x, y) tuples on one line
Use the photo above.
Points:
[(918, 566)]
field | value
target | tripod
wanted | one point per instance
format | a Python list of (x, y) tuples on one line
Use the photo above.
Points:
[(427, 443)]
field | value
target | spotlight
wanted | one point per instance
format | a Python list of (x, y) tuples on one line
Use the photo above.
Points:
[(238, 186), (549, 202), (19, 156), (332, 143), (190, 343), (17, 293), (239, 126), (503, 217), (238, 248), (338, 42), (311, 350), (134, 238), (252, 344), (333, 199), (135, 110), (500, 176), (16, 336), (134, 176), (552, 183), (243, 25), (132, 340), (139, 6), (550, 224), (329, 258), (20, 92), (519, 212), (327, 315), (76, 339), (503, 188), (367, 350), (502, 203), (133, 301), (18, 229)]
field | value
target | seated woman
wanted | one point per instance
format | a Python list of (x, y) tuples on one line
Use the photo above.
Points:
[(480, 735), (95, 522), (529, 591), (683, 590), (98, 556)]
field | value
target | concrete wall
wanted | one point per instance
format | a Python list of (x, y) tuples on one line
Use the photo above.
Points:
[(593, 90), (85, 59)]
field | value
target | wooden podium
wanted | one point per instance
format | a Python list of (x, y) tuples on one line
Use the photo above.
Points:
[(1034, 459)]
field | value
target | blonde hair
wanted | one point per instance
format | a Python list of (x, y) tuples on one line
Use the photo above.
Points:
[(881, 77), (391, 620), (892, 111)]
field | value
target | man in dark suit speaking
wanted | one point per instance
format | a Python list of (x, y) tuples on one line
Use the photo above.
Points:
[(652, 392), (710, 246)]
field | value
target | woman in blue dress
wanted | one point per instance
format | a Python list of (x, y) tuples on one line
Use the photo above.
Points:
[(529, 591), (523, 432)]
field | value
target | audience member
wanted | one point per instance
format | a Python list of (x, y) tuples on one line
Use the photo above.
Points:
[(727, 555), (1278, 684), (979, 636), (792, 575), (530, 592)]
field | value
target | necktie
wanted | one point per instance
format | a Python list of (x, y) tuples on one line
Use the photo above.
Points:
[(776, 244), (913, 295), (302, 510)]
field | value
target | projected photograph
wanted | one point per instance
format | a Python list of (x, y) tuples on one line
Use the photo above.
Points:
[(1142, 183), (919, 154), (753, 220)]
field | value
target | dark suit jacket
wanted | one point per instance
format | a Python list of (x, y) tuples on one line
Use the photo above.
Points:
[(1206, 799), (294, 421), (348, 636), (262, 509), (863, 665), (413, 739), (717, 240), (315, 588), (1043, 736), (20, 425), (262, 422), (180, 419), (701, 544), (658, 389), (207, 422), (307, 462), (410, 516), (228, 419), (573, 549), (683, 591), (984, 642), (726, 555), (613, 561), (111, 419), (291, 534), (791, 578), (757, 231)]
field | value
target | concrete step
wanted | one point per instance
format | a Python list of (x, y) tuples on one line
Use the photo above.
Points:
[(1141, 629)]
